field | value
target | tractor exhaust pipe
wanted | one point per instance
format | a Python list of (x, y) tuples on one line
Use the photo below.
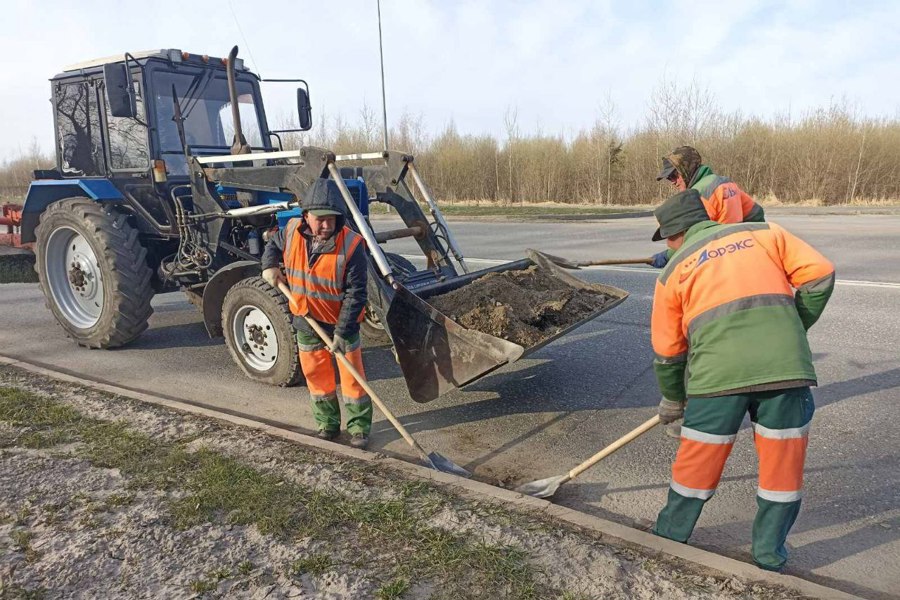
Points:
[(239, 145)]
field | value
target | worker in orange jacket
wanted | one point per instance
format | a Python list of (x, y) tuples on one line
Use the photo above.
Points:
[(724, 201), (326, 267), (730, 315)]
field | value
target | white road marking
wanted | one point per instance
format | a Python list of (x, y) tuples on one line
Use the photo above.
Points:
[(493, 262)]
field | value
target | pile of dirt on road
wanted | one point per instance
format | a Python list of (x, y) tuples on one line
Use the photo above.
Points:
[(525, 307), (17, 267)]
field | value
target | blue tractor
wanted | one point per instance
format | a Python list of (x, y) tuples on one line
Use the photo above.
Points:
[(169, 178)]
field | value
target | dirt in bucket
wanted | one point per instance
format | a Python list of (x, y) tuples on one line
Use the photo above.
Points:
[(525, 307)]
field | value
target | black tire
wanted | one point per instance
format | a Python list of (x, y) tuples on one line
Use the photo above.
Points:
[(237, 309), (371, 327), (400, 265), (118, 263)]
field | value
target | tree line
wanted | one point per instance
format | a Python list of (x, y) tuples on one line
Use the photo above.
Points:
[(828, 156)]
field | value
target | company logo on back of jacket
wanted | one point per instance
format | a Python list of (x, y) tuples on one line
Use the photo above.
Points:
[(710, 254)]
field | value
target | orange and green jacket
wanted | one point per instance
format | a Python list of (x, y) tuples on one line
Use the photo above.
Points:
[(726, 313), (725, 202)]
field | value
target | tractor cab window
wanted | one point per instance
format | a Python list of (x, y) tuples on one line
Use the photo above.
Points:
[(249, 124), (78, 129), (206, 110), (128, 148)]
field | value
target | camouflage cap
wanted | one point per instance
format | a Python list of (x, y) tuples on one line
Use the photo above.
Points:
[(667, 169), (686, 160), (678, 214)]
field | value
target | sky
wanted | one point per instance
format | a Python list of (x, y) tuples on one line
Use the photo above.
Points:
[(558, 64)]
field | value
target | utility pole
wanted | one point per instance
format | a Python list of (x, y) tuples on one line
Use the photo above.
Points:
[(383, 95)]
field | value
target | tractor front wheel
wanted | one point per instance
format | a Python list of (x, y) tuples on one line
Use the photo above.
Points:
[(259, 333)]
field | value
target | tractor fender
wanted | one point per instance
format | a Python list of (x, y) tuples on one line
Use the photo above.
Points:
[(44, 192), (218, 286)]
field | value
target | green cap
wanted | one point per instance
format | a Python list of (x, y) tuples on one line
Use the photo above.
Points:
[(323, 212), (679, 213)]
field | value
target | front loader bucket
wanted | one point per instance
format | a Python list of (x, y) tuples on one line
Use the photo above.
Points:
[(437, 354)]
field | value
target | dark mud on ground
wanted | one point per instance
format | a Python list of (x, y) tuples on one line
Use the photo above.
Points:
[(525, 307)]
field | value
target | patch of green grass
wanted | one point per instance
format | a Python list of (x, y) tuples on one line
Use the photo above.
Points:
[(245, 568), (315, 564), (50, 513), (25, 513), (149, 462), (220, 573), (119, 500), (21, 539), (393, 590), (47, 423), (202, 586), (220, 489), (221, 485)]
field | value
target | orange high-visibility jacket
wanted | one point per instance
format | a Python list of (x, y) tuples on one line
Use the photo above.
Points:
[(725, 202), (725, 310), (318, 290)]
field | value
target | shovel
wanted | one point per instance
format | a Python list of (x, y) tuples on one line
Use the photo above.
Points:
[(572, 264), (545, 488), (433, 459)]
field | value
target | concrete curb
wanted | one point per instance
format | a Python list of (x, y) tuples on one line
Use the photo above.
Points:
[(647, 542)]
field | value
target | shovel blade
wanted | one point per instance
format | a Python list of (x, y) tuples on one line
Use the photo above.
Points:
[(445, 465), (543, 488), (557, 260)]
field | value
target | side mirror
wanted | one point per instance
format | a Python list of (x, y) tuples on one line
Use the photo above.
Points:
[(304, 109), (119, 93)]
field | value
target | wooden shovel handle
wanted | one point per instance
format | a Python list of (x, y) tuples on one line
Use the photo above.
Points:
[(618, 261), (622, 441)]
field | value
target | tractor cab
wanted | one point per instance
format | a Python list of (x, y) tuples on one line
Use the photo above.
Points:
[(118, 139)]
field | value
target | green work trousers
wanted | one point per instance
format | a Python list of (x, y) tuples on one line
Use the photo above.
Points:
[(781, 421)]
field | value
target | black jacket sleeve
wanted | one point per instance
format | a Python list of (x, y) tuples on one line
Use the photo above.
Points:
[(355, 278), (273, 255)]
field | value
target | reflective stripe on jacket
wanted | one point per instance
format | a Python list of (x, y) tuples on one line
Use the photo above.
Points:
[(725, 311), (318, 289)]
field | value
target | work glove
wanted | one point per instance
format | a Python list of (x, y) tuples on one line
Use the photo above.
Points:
[(272, 276), (661, 259), (670, 411), (341, 344)]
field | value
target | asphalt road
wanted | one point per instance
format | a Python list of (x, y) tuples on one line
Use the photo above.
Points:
[(548, 412)]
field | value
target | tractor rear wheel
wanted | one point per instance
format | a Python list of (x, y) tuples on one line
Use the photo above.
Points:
[(259, 333), (93, 271)]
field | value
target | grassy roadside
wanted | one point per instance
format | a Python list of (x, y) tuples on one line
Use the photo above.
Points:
[(107, 496), (205, 486)]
